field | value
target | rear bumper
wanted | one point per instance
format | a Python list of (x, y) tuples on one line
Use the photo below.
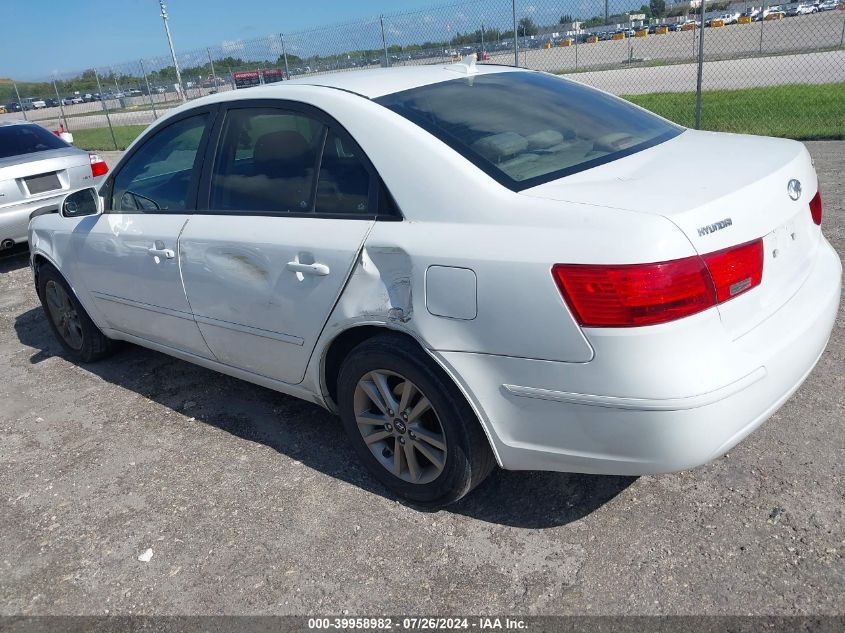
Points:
[(664, 399), (14, 219)]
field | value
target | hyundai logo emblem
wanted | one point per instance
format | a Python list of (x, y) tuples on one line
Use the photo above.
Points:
[(794, 189)]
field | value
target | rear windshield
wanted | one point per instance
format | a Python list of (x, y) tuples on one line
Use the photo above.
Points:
[(527, 128), (16, 140)]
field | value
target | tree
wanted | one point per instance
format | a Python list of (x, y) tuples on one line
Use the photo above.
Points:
[(527, 27), (658, 8), (645, 9), (566, 19)]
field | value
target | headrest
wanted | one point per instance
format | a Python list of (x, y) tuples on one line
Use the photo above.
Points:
[(283, 146), (500, 145)]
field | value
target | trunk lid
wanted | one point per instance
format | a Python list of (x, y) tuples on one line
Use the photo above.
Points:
[(43, 175), (720, 190)]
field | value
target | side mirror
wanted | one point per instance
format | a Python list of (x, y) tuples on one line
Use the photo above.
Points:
[(80, 203)]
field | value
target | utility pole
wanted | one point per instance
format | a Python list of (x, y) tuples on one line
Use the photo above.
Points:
[(515, 37), (165, 18)]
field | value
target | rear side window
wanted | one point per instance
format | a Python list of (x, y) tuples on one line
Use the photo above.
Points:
[(266, 162), (343, 186), (18, 140), (527, 128), (157, 177)]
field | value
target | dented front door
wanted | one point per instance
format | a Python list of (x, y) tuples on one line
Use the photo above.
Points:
[(262, 287)]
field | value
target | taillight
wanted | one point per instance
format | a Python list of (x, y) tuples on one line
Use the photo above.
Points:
[(736, 270), (631, 295), (816, 208), (98, 165)]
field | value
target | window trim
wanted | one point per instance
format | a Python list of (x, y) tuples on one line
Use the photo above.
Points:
[(331, 124), (107, 189)]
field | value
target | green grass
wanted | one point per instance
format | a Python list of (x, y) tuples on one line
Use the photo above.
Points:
[(100, 137), (804, 112)]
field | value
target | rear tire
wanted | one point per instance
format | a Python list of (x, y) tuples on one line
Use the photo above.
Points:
[(409, 423), (82, 341)]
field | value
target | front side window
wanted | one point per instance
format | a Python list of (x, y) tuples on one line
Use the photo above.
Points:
[(526, 128), (157, 177), (266, 162)]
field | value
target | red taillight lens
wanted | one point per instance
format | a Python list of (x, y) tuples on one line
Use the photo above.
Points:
[(633, 295), (98, 165), (816, 208), (639, 294), (736, 270)]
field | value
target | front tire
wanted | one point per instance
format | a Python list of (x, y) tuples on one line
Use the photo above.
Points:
[(82, 340), (409, 424)]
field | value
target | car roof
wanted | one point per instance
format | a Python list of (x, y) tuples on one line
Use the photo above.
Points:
[(377, 82)]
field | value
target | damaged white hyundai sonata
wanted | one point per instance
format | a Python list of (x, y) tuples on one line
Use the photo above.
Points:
[(471, 265)]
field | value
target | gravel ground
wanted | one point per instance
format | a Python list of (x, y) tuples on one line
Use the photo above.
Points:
[(251, 502)]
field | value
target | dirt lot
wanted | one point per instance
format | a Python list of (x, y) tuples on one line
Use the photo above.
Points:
[(251, 502)]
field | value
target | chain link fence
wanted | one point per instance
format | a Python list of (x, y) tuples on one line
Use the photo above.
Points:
[(719, 66)]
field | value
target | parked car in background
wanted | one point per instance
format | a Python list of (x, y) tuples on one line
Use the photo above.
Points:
[(544, 290), (828, 5), (801, 9), (38, 169), (51, 103), (14, 106), (33, 103), (773, 13), (72, 100)]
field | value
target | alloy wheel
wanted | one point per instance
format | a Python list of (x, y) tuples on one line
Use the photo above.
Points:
[(400, 426)]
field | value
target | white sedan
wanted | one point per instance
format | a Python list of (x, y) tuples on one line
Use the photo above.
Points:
[(471, 265)]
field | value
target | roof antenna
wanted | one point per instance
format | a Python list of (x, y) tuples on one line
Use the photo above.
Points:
[(466, 66)]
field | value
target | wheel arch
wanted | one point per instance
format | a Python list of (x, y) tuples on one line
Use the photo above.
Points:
[(346, 340), (39, 259)]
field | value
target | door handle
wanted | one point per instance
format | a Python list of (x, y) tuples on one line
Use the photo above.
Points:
[(320, 270), (161, 252)]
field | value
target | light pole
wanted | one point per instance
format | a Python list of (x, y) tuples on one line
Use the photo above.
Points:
[(165, 18)]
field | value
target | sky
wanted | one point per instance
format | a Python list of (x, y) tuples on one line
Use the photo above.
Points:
[(65, 36)]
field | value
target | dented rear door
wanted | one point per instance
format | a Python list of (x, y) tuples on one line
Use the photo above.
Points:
[(261, 287)]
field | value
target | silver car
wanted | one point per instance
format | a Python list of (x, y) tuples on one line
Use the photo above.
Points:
[(37, 169)]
